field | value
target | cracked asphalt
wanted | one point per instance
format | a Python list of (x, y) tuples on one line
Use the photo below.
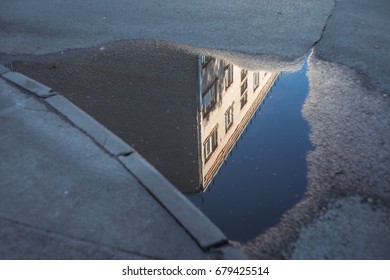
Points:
[(347, 107)]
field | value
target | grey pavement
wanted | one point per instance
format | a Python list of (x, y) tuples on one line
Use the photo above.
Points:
[(358, 35), (254, 26), (65, 194), (371, 225), (347, 107), (344, 214)]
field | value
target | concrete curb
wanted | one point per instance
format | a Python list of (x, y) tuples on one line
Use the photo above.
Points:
[(204, 232), (227, 252), (195, 222), (3, 69), (26, 83)]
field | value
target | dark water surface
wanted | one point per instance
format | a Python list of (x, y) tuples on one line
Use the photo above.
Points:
[(265, 174), (173, 108)]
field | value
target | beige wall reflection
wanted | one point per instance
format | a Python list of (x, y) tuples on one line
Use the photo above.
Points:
[(229, 96)]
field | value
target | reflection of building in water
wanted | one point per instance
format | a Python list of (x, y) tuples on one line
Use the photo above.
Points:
[(230, 96), (181, 112)]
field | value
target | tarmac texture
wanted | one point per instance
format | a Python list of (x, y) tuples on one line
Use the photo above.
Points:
[(347, 108), (254, 26), (146, 93), (68, 192), (349, 167)]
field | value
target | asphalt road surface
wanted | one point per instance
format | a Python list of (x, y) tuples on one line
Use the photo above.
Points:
[(348, 104)]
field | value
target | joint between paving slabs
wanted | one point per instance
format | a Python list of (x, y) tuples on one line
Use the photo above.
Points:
[(28, 84), (61, 235), (43, 93), (205, 248), (125, 154)]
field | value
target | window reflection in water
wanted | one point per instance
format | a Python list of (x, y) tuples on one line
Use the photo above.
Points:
[(264, 175), (230, 96), (184, 113)]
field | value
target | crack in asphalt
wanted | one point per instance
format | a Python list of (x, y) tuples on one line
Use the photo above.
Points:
[(325, 25)]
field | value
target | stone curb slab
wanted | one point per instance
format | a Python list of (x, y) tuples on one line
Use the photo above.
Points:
[(202, 230), (227, 252), (195, 222), (85, 122), (29, 84), (3, 69)]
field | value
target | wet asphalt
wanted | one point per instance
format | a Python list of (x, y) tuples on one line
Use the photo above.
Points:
[(347, 107)]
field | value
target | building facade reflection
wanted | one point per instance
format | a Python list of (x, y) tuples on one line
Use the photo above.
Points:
[(229, 96), (180, 111)]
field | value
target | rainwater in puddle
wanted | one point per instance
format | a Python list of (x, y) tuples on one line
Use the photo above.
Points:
[(264, 175), (233, 140)]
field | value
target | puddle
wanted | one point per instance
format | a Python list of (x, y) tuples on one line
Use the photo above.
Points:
[(233, 138), (265, 173)]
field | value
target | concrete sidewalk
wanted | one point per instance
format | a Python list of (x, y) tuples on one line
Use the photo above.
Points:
[(70, 189)]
